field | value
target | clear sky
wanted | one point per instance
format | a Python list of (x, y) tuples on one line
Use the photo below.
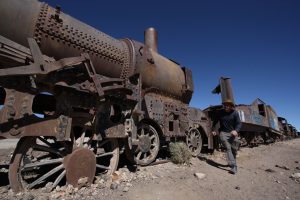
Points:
[(255, 42)]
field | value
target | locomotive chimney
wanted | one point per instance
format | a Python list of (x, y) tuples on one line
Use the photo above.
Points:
[(151, 38), (226, 90)]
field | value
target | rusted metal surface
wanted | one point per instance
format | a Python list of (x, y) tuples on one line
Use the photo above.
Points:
[(287, 129), (259, 115), (292, 130), (17, 115), (55, 30), (259, 123), (283, 125), (158, 72), (80, 163), (18, 120), (50, 99), (165, 111), (61, 36)]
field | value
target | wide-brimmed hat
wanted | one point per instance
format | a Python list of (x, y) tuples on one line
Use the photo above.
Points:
[(228, 101)]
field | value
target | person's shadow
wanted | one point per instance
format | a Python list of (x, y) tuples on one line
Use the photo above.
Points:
[(213, 163)]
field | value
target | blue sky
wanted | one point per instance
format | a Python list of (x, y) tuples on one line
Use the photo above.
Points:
[(255, 42)]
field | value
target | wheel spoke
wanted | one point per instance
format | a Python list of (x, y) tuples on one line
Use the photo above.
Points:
[(139, 155), (102, 167), (43, 157), (105, 154), (88, 144), (147, 133), (142, 132), (48, 174), (103, 143), (144, 155), (82, 139), (152, 151), (58, 179), (46, 149), (138, 149), (189, 138), (45, 141), (37, 164)]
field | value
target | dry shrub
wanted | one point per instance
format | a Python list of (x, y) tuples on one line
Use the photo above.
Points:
[(180, 153)]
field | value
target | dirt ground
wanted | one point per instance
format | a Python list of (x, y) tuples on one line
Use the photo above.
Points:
[(264, 172)]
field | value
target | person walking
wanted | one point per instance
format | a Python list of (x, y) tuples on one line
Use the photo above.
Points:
[(229, 126)]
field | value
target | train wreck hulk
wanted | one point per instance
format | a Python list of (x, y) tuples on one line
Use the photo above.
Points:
[(76, 96), (260, 123)]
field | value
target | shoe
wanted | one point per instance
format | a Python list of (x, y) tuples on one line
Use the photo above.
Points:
[(233, 170)]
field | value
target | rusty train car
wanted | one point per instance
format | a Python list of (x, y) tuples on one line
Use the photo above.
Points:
[(75, 96), (287, 129), (260, 123)]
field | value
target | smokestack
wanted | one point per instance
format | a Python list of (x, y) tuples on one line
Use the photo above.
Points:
[(151, 38), (226, 90)]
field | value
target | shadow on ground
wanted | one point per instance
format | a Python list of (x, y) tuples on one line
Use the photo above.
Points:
[(213, 163)]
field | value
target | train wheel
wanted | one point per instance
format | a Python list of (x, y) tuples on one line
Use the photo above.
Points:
[(107, 156), (129, 150), (37, 160), (148, 146), (106, 152), (194, 142)]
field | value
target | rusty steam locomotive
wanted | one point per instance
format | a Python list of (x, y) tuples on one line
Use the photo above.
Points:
[(76, 97)]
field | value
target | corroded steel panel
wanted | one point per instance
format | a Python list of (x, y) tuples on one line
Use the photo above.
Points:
[(60, 36)]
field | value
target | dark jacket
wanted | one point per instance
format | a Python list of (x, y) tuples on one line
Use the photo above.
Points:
[(228, 121)]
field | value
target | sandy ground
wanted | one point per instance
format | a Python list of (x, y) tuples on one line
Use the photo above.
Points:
[(264, 172), (251, 182), (8, 143)]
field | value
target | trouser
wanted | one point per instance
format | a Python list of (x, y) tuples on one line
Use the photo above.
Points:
[(231, 144)]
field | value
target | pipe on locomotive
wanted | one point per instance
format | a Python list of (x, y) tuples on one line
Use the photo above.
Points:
[(151, 38), (60, 36)]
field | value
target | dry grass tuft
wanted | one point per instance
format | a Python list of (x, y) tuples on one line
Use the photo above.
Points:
[(180, 153)]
